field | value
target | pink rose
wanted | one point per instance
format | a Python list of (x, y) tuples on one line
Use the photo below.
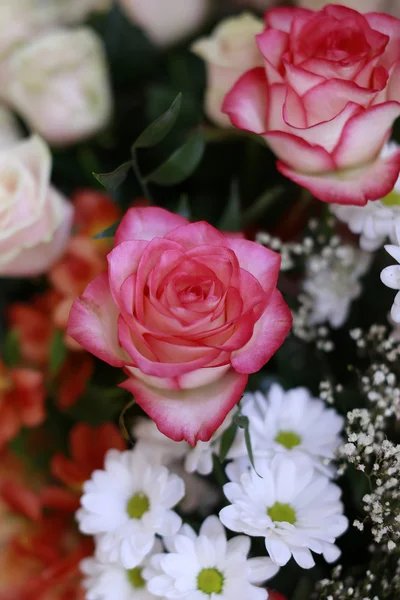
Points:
[(188, 312), (326, 99)]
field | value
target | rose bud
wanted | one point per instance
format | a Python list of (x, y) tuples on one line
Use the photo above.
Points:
[(228, 53)]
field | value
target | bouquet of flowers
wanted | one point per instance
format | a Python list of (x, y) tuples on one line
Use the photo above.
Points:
[(200, 341)]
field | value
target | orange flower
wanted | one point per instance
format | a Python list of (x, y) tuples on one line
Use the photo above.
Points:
[(73, 378), (33, 323), (88, 446), (94, 212), (22, 397)]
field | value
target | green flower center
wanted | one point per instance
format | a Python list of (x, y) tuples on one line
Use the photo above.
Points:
[(210, 581), (135, 578), (282, 513), (392, 199), (289, 439), (138, 505)]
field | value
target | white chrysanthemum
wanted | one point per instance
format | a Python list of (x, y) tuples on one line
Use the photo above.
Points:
[(390, 276), (108, 581), (374, 222), (127, 504), (332, 282), (291, 422), (200, 494), (200, 458), (208, 567), (295, 509)]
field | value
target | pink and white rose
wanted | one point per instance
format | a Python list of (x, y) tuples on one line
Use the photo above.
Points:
[(228, 53), (188, 312), (35, 219), (59, 84), (391, 7), (326, 99)]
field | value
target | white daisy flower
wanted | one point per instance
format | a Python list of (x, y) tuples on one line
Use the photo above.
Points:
[(208, 567), (291, 422), (200, 458), (374, 222), (127, 504), (390, 276), (108, 581), (200, 494), (332, 282), (295, 509)]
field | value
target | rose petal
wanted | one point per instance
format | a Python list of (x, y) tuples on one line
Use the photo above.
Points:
[(193, 414), (282, 18), (354, 186), (246, 103), (328, 99), (145, 223), (303, 156), (269, 334), (364, 135), (262, 263), (93, 322), (389, 26), (123, 262)]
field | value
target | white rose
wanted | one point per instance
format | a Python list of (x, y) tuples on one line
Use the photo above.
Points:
[(75, 11), (35, 219), (228, 52), (9, 129), (59, 84), (167, 21)]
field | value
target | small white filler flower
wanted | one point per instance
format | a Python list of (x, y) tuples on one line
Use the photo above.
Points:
[(108, 581), (127, 504), (208, 567), (294, 508), (375, 222), (291, 422), (333, 282), (390, 276)]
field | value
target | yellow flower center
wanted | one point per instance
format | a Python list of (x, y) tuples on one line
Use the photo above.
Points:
[(289, 439), (210, 581), (392, 199), (138, 505), (282, 513), (135, 578)]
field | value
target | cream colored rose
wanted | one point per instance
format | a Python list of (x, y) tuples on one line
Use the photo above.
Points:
[(391, 7), (59, 84), (9, 129), (75, 11), (167, 21), (228, 53), (35, 219)]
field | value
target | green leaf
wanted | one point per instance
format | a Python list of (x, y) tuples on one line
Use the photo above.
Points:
[(227, 440), (11, 350), (160, 128), (122, 422), (58, 352), (182, 163), (262, 204), (109, 232), (231, 218), (112, 181), (244, 423)]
